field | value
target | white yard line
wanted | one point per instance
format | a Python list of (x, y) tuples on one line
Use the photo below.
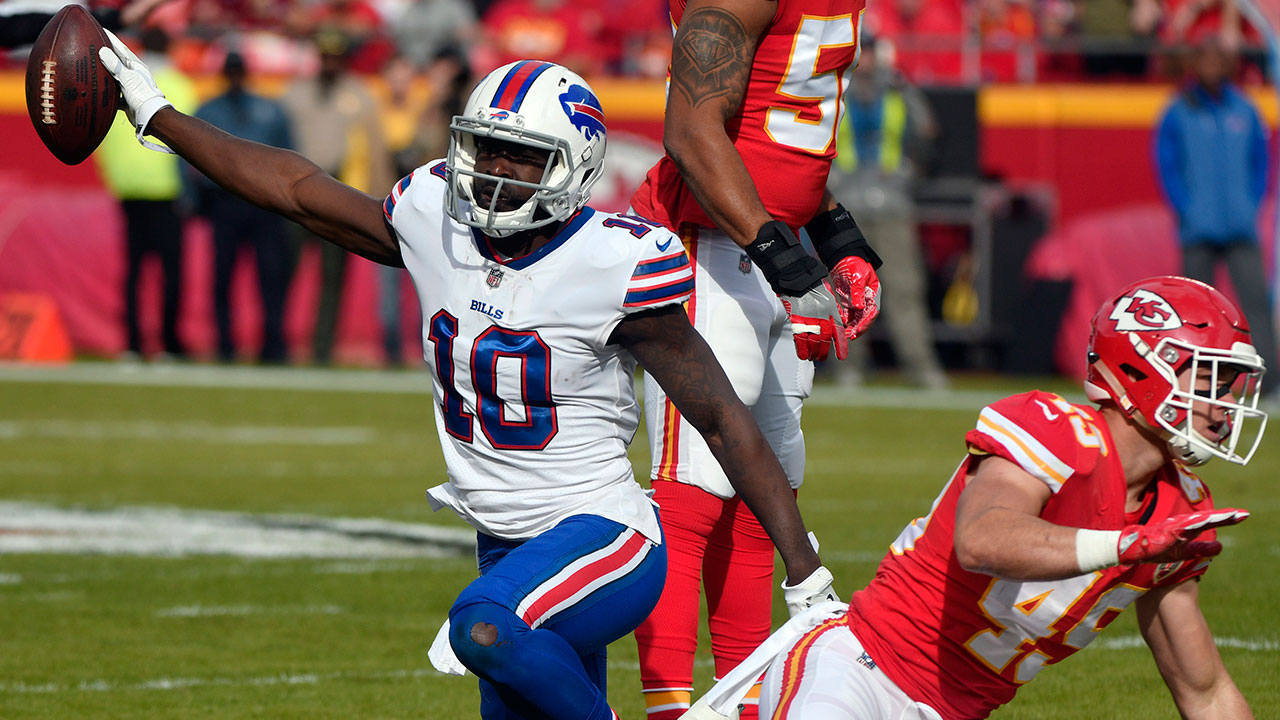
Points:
[(93, 430), (182, 683), (1123, 642), (416, 382), (170, 532), (1126, 642), (193, 611)]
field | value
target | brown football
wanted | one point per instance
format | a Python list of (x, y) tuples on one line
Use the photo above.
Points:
[(70, 96)]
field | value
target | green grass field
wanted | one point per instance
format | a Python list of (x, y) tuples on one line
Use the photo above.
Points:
[(320, 633)]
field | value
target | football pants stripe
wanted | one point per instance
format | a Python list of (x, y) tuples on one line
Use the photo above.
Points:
[(793, 668), (584, 576)]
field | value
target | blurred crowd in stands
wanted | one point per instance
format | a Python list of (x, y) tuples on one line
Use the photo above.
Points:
[(935, 41), (317, 58)]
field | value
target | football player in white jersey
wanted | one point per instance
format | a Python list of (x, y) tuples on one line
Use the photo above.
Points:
[(536, 309)]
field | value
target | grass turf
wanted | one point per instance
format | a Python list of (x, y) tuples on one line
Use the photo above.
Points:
[(228, 637)]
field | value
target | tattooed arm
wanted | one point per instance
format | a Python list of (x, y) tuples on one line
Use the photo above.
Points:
[(665, 343), (710, 64)]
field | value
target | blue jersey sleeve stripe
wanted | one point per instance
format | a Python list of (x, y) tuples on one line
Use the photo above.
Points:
[(438, 171), (389, 205), (660, 265), (662, 292)]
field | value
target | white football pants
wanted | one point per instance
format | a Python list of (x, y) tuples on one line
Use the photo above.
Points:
[(744, 322)]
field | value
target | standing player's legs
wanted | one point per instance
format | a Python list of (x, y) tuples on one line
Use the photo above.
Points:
[(138, 244), (169, 244), (826, 675), (226, 244), (738, 571), (668, 638), (707, 536), (535, 625), (271, 252)]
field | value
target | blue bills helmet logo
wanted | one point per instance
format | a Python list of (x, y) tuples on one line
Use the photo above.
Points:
[(584, 111)]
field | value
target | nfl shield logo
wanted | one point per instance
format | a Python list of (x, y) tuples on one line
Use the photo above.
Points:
[(495, 277), (744, 264)]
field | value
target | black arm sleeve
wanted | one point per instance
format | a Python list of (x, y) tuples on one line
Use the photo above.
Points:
[(836, 236)]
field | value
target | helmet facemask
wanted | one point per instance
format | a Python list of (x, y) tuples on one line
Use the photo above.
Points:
[(1234, 382), (551, 193), (1159, 340)]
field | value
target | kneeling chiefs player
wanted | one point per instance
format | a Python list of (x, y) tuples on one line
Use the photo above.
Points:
[(536, 309), (1060, 517)]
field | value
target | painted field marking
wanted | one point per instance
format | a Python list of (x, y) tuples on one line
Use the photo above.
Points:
[(90, 430), (172, 532), (1126, 642), (182, 683), (193, 611), (414, 382)]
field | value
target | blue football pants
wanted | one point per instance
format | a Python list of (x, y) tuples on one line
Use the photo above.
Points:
[(535, 625)]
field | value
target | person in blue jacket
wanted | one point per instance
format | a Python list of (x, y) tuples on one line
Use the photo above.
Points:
[(1212, 158)]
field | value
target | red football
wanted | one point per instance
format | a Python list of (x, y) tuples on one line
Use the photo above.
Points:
[(70, 96)]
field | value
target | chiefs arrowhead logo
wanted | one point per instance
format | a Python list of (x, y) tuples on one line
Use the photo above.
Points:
[(1144, 310)]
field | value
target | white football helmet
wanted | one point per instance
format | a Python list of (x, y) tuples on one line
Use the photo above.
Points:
[(544, 106)]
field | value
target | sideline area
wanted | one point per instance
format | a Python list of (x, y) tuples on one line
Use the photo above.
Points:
[(419, 382)]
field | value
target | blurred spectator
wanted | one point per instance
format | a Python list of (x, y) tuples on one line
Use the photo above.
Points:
[(368, 44), (1211, 154), (928, 36), (149, 187), (237, 223), (883, 136), (1187, 21), (560, 31), (335, 125), (426, 27), (635, 36), (1007, 31), (21, 23), (402, 110), (1118, 35)]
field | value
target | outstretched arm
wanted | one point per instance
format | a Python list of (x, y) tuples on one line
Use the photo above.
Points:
[(1184, 651), (999, 531), (677, 357), (278, 180)]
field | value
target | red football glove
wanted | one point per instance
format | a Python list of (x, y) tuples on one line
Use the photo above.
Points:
[(817, 323), (857, 291), (1173, 539)]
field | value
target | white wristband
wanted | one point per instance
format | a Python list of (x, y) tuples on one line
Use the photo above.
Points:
[(1097, 549)]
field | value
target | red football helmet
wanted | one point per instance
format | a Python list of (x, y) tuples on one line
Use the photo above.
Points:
[(1149, 344)]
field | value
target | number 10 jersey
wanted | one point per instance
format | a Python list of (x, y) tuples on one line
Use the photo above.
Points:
[(534, 408)]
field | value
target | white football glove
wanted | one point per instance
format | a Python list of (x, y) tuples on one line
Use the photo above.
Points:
[(142, 97), (810, 591), (702, 710)]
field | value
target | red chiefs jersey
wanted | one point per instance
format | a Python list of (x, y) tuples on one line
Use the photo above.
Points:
[(785, 130), (963, 642)]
